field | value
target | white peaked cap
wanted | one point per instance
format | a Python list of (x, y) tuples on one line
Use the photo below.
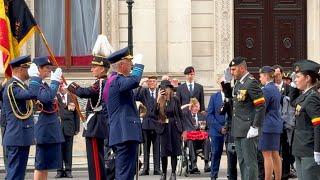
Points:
[(102, 47)]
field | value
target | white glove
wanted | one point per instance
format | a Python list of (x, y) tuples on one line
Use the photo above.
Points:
[(317, 157), (33, 70), (137, 59), (227, 75), (56, 75), (253, 132)]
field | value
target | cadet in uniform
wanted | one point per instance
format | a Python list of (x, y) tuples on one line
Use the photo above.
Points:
[(125, 124), (96, 125), (269, 141), (248, 113), (18, 110), (48, 131), (306, 138)]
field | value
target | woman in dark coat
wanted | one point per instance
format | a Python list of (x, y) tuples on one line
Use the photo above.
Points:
[(169, 127), (306, 138)]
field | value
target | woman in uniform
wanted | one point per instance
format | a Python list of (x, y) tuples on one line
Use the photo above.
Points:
[(169, 127), (269, 141), (48, 131), (306, 138)]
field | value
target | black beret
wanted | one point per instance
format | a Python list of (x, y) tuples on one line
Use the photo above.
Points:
[(100, 61), (165, 83), (188, 70), (306, 66), (266, 69), (21, 61), (236, 61), (42, 61), (119, 55)]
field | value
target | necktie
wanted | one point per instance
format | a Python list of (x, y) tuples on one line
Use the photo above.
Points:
[(63, 99), (190, 89), (152, 95), (194, 121)]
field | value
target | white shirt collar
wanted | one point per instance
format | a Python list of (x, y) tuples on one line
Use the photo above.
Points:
[(188, 83), (18, 79), (244, 76)]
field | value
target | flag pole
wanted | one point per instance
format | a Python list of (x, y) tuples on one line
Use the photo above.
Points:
[(53, 59)]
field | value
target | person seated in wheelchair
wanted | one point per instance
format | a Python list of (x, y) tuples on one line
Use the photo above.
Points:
[(195, 121)]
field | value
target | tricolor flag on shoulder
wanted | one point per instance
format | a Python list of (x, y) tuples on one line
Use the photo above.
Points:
[(17, 25)]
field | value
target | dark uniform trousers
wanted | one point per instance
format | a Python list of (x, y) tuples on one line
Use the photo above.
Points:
[(307, 168), (126, 155), (17, 162), (150, 136), (232, 172), (95, 156), (67, 153)]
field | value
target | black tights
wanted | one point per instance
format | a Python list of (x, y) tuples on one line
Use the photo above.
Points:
[(174, 162)]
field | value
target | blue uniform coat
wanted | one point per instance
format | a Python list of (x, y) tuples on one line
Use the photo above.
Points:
[(19, 132), (48, 128), (124, 121), (272, 122)]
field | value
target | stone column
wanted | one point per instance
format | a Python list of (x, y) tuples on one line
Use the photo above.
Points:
[(179, 35), (144, 32), (110, 21), (313, 26), (223, 35), (162, 35)]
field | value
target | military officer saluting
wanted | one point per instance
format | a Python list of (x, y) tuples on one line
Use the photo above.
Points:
[(248, 113), (125, 124), (306, 138), (96, 125), (18, 110)]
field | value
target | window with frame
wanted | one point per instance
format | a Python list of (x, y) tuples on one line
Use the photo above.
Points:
[(71, 28)]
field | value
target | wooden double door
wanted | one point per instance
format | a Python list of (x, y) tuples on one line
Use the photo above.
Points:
[(269, 32)]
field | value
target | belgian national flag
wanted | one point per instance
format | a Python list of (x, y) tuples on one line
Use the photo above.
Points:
[(22, 26)]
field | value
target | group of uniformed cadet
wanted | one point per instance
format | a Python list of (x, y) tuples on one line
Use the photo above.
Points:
[(111, 115)]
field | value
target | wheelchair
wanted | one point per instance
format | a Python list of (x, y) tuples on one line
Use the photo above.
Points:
[(184, 161)]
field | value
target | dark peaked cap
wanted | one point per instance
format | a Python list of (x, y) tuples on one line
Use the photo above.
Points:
[(236, 61), (306, 65), (21, 61), (266, 69), (119, 55), (100, 61), (42, 61)]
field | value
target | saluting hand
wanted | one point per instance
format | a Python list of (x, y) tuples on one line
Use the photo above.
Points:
[(33, 70)]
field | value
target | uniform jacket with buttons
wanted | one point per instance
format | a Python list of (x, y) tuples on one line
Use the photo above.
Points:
[(48, 128), (272, 122), (306, 138), (19, 132), (124, 120), (248, 106)]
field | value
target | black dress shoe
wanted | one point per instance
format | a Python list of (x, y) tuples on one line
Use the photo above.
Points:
[(60, 174), (156, 172), (194, 171), (213, 178), (144, 173), (163, 176), (207, 168), (173, 176), (68, 174)]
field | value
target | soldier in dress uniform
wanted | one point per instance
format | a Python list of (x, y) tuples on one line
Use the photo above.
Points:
[(248, 113), (125, 124), (306, 138), (18, 110), (96, 125), (48, 132)]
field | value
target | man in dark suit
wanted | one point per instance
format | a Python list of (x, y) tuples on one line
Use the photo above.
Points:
[(147, 96), (125, 124), (70, 126), (292, 93), (190, 89), (195, 121), (248, 113)]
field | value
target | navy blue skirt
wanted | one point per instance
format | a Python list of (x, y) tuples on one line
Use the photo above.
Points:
[(269, 142), (48, 156)]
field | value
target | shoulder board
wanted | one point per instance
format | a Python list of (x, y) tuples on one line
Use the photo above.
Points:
[(251, 77)]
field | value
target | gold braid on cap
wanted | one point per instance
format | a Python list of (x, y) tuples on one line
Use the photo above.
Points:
[(15, 109), (194, 101)]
